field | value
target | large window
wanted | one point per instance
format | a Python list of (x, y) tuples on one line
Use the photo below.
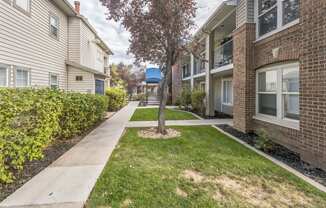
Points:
[(278, 92), (22, 77), (3, 75), (54, 26), (227, 92), (275, 14), (23, 5)]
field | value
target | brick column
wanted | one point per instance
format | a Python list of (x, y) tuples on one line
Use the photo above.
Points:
[(313, 81), (244, 77)]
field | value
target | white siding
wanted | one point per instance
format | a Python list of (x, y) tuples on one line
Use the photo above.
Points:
[(25, 41), (245, 12), (74, 39), (85, 86)]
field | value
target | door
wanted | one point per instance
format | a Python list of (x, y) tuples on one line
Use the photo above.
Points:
[(99, 87)]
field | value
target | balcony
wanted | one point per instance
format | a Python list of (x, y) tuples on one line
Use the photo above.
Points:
[(199, 67), (186, 71), (223, 55)]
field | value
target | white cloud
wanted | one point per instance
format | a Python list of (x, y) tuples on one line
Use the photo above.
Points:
[(117, 37)]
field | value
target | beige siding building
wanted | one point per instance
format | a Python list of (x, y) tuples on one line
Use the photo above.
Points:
[(47, 43)]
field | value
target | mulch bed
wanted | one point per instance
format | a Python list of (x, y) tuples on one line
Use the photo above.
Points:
[(283, 154), (32, 168)]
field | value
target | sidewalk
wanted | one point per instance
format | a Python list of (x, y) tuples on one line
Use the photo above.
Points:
[(68, 182), (209, 122)]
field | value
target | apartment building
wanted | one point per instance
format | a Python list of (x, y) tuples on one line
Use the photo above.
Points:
[(48, 43), (266, 68)]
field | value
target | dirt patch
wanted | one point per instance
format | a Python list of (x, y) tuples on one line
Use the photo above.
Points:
[(261, 193), (180, 192), (151, 133), (126, 203), (193, 176)]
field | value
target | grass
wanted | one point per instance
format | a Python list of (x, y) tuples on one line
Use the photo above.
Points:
[(202, 168), (151, 114)]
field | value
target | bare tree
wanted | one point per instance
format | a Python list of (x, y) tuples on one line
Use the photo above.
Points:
[(159, 31)]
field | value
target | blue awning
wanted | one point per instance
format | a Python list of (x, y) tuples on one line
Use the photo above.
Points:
[(153, 75)]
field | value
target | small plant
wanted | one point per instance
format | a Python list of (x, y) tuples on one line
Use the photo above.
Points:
[(263, 142), (185, 99), (197, 101)]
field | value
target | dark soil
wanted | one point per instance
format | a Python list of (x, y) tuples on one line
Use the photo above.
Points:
[(32, 168), (281, 153)]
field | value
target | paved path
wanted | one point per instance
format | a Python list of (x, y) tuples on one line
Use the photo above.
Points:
[(140, 124), (68, 182)]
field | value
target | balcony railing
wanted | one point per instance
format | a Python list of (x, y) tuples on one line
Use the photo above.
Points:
[(186, 72), (223, 55), (199, 67)]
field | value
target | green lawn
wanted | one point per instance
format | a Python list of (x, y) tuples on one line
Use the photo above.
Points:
[(151, 114), (202, 168)]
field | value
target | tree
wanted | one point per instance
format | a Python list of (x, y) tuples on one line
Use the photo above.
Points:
[(159, 31)]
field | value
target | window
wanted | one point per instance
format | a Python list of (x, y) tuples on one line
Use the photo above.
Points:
[(23, 5), (79, 78), (278, 92), (202, 86), (54, 81), (227, 92), (22, 77), (54, 26), (3, 75), (275, 14)]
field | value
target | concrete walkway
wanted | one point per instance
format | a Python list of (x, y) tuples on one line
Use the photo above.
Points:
[(142, 124), (68, 182)]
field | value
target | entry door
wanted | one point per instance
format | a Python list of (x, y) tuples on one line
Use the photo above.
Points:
[(99, 87)]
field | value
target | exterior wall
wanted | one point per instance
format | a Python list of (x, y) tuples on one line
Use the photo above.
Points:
[(245, 12), (74, 25), (217, 96), (85, 86), (313, 81), (25, 41), (89, 50), (176, 82)]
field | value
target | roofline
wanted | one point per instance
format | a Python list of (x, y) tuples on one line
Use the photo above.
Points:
[(211, 18)]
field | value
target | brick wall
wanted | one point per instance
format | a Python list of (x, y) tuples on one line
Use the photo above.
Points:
[(243, 77), (176, 82), (313, 81)]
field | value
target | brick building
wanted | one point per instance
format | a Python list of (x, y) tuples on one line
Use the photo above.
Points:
[(267, 68)]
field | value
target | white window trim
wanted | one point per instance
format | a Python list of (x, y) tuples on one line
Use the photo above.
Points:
[(50, 80), (222, 92), (28, 77), (7, 74), (280, 27), (28, 12), (279, 118), (52, 15)]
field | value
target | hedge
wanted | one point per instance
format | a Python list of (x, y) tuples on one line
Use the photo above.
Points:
[(30, 119), (197, 101), (117, 98)]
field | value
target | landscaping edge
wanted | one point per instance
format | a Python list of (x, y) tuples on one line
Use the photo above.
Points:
[(275, 161)]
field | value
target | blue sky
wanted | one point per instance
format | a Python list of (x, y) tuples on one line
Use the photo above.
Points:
[(115, 35)]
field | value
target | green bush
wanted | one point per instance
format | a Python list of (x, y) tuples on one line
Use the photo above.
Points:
[(30, 119), (185, 99), (197, 101), (263, 141), (117, 98)]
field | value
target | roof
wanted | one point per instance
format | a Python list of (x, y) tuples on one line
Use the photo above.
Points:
[(69, 10), (153, 75), (84, 68)]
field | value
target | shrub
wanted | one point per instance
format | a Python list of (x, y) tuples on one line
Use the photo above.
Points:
[(30, 119), (117, 98), (80, 112), (185, 99), (197, 101), (263, 142)]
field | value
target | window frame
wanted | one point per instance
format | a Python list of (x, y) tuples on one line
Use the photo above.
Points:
[(54, 16), (79, 76), (280, 26), (7, 74), (280, 118), (28, 76), (50, 80), (222, 92), (29, 12)]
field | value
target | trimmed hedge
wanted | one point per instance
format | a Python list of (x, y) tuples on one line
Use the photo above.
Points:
[(117, 98), (30, 119), (197, 101)]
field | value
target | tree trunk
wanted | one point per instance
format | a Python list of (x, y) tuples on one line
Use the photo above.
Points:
[(163, 99)]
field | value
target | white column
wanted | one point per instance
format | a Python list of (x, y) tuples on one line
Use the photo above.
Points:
[(192, 60)]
